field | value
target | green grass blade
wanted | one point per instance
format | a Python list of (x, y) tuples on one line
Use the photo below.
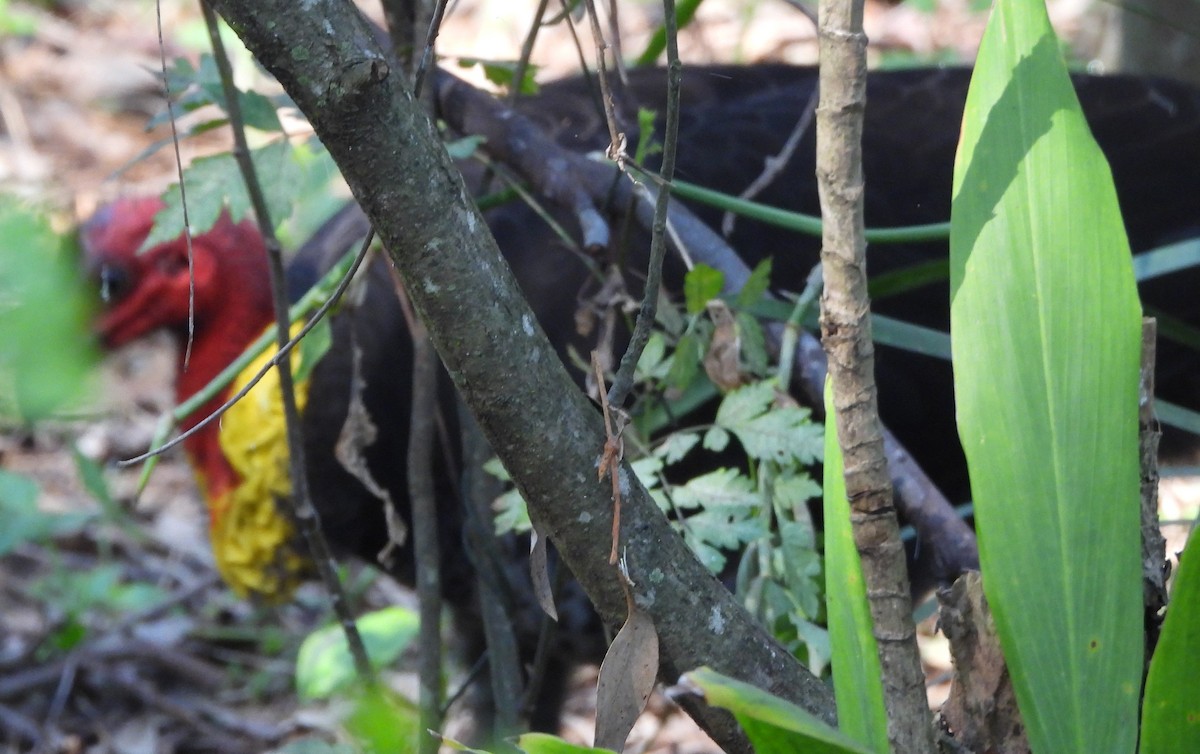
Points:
[(773, 725), (1046, 340), (1171, 709), (857, 683)]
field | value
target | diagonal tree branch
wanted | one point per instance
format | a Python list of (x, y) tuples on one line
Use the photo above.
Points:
[(544, 430)]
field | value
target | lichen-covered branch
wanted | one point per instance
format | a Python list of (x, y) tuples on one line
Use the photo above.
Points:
[(543, 429)]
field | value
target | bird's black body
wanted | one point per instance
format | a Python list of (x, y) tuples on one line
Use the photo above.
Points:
[(732, 119)]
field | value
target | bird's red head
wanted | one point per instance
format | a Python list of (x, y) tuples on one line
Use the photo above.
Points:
[(147, 290)]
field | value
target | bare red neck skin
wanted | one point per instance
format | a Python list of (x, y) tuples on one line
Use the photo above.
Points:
[(215, 345), (227, 281)]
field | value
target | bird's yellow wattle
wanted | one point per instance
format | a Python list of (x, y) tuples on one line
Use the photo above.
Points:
[(253, 538)]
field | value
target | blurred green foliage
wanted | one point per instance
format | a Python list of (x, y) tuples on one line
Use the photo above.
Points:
[(46, 351)]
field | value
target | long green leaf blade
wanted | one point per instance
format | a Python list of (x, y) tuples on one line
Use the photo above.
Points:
[(1045, 323), (857, 678), (1171, 709), (772, 724)]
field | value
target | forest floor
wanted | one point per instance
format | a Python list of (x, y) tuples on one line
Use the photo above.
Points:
[(115, 633)]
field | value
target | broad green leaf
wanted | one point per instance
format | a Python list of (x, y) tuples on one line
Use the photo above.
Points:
[(719, 488), (324, 665), (676, 446), (1046, 339), (716, 439), (857, 677), (385, 721), (754, 357), (724, 528), (544, 743), (503, 73), (1171, 708), (801, 565), (685, 365), (201, 87), (756, 285), (653, 359), (512, 515), (701, 285), (647, 469), (215, 183), (782, 434), (461, 149), (46, 345), (774, 725), (648, 143)]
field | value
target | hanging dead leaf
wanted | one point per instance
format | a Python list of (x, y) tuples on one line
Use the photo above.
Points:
[(722, 362), (627, 677), (358, 433), (539, 572)]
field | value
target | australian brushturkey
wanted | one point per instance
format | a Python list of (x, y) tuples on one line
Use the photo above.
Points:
[(733, 118)]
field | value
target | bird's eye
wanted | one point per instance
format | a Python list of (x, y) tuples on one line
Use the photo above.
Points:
[(114, 283)]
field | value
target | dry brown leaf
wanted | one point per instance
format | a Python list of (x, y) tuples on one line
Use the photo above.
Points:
[(627, 677), (722, 362), (539, 573), (358, 433)]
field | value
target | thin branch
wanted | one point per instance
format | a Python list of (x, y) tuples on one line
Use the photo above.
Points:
[(623, 380), (421, 493), (187, 225), (922, 502), (543, 429), (846, 336), (565, 15), (773, 165), (526, 52), (502, 655), (616, 146), (549, 169), (427, 57), (305, 514)]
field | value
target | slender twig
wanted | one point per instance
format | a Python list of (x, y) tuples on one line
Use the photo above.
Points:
[(526, 52), (774, 164), (503, 656), (421, 493), (610, 459), (808, 12), (566, 16), (305, 514), (427, 56), (616, 146), (623, 380), (187, 225), (846, 336)]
